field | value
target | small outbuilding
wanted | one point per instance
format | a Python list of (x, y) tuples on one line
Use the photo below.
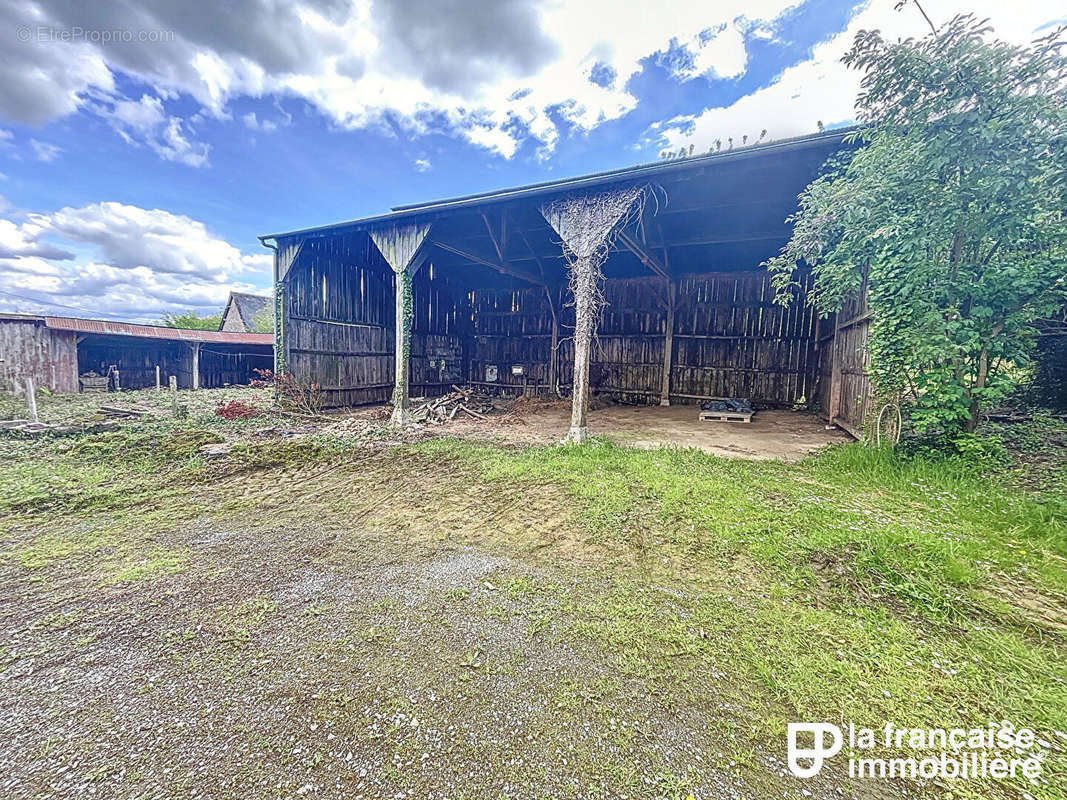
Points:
[(65, 353), (641, 284), (248, 313)]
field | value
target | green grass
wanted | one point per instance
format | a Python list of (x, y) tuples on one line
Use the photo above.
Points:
[(929, 535), (855, 586)]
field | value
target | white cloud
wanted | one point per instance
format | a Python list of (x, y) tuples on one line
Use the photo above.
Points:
[(146, 122), (492, 71), (423, 164), (822, 89), (140, 263), (44, 151), (252, 122)]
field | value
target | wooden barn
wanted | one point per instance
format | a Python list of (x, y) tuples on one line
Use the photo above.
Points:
[(480, 290), (56, 352)]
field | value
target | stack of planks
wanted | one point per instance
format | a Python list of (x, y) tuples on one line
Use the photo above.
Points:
[(468, 401)]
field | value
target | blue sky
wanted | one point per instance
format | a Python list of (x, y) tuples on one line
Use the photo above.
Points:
[(143, 147)]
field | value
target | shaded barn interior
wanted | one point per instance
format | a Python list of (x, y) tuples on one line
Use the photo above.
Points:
[(689, 312), (136, 361), (56, 352)]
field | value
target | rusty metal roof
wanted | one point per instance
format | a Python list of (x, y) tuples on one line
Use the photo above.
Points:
[(110, 328)]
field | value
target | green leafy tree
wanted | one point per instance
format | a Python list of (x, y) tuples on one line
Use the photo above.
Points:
[(263, 320), (190, 320), (952, 208)]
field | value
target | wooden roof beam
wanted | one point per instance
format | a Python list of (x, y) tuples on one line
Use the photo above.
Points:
[(505, 269), (642, 254)]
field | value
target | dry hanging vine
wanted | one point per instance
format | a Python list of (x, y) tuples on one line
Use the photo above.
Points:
[(587, 224)]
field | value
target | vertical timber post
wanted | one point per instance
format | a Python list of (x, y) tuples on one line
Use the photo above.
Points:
[(668, 345), (402, 248), (585, 223), (31, 399), (834, 411), (196, 365), (173, 382), (159, 386)]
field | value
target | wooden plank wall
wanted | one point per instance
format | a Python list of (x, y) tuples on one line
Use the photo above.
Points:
[(136, 360), (730, 339), (221, 366), (515, 327), (440, 327), (29, 349), (338, 330), (854, 397)]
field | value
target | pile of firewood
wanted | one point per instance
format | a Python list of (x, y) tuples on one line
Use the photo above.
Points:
[(459, 401)]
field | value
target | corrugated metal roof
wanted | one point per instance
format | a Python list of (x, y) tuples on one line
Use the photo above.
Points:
[(640, 171), (110, 328)]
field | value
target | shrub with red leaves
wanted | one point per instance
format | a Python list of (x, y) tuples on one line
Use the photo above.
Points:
[(235, 409), (265, 379)]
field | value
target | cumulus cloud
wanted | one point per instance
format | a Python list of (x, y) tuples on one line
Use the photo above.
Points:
[(822, 90), (493, 71), (137, 264)]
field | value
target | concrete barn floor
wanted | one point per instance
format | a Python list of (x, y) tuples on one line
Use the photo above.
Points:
[(786, 435)]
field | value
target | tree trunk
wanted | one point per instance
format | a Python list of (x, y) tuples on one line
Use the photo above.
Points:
[(980, 381)]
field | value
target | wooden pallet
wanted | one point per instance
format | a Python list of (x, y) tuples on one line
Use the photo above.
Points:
[(725, 416)]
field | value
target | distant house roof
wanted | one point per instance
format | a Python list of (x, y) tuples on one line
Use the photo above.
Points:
[(248, 306), (112, 328)]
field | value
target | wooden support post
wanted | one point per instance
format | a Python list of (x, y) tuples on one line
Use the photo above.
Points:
[(834, 410), (31, 399), (196, 365), (584, 323), (553, 355), (118, 380), (585, 223), (159, 386), (402, 358), (668, 346), (402, 248), (174, 394)]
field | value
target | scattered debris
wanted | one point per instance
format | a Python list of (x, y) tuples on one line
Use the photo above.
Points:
[(216, 449), (471, 402), (117, 412), (727, 409), (25, 427)]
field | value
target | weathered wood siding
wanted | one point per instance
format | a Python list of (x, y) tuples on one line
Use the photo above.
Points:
[(29, 349), (136, 360), (338, 330), (730, 339), (850, 345)]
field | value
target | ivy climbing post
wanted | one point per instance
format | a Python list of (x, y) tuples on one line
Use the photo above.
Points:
[(587, 224), (402, 247)]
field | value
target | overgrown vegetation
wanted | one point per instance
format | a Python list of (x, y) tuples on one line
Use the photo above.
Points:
[(951, 214), (190, 320)]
